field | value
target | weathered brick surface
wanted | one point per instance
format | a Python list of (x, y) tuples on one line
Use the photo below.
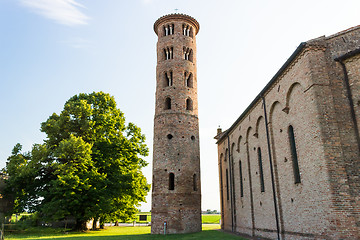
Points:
[(311, 94), (176, 132)]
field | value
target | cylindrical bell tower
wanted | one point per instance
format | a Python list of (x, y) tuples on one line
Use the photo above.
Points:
[(176, 191)]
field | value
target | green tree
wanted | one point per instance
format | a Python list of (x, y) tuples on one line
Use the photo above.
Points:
[(89, 166)]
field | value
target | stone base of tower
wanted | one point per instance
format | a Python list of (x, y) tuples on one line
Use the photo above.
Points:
[(179, 218)]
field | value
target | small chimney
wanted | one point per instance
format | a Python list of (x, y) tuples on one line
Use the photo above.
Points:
[(219, 130)]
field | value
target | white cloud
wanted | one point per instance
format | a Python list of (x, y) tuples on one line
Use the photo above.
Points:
[(62, 11)]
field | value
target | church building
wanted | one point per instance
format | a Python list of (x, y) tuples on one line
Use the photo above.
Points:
[(289, 166)]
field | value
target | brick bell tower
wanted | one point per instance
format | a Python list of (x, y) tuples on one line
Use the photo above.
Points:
[(176, 193)]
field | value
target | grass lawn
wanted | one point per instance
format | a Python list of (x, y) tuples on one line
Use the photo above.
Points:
[(113, 233), (206, 218), (211, 218)]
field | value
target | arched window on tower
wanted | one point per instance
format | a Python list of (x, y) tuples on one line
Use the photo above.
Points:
[(171, 181), (168, 53), (188, 79), (188, 54), (294, 156), (187, 30), (167, 103), (168, 79), (168, 29), (189, 104)]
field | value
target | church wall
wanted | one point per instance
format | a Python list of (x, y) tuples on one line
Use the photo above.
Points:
[(353, 71), (309, 96), (301, 204), (341, 138)]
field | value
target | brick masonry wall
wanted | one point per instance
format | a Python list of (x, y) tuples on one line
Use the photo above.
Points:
[(309, 96), (176, 133)]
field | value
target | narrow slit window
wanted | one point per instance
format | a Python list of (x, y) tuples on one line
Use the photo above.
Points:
[(171, 29), (294, 156), (167, 103), (171, 78), (189, 80), (165, 54), (168, 79), (189, 104), (171, 53), (185, 53), (190, 58), (241, 180), (261, 173), (171, 181), (194, 183), (227, 185)]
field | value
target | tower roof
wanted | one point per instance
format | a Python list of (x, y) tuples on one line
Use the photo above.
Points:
[(177, 16)]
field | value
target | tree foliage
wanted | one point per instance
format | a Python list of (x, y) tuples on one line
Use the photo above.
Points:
[(89, 166)]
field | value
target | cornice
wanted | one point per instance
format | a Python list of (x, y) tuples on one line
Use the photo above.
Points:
[(177, 16)]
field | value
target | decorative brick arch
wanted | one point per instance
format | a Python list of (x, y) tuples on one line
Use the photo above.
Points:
[(238, 143), (289, 94), (259, 120)]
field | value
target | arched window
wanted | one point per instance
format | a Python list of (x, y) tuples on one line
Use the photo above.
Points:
[(168, 79), (189, 104), (188, 79), (294, 156), (168, 29), (167, 103), (194, 183), (187, 30), (168, 53), (171, 29), (238, 144), (262, 185), (188, 54), (171, 181), (241, 180), (227, 185)]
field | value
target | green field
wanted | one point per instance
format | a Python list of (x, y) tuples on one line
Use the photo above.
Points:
[(210, 232), (211, 218), (206, 218)]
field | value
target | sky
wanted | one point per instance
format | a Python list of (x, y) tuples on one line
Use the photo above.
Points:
[(51, 50)]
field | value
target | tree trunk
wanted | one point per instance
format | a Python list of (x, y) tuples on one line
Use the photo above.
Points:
[(94, 223), (80, 225), (102, 222)]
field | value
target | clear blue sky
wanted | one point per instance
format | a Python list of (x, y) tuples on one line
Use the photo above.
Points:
[(51, 50)]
